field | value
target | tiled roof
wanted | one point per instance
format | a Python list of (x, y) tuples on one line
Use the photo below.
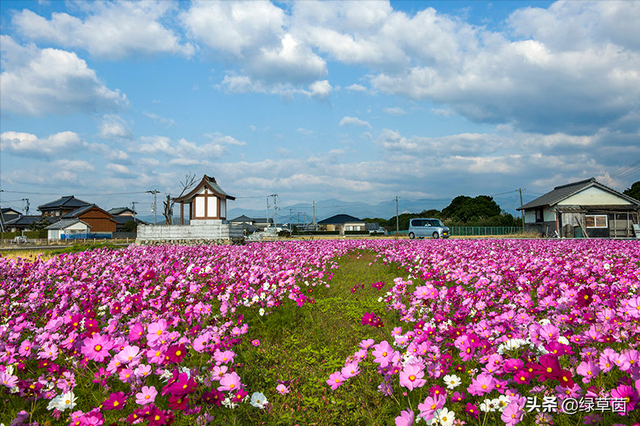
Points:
[(68, 201), (339, 219), (77, 212), (64, 223)]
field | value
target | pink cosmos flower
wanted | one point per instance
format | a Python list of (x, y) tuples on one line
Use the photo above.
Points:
[(218, 372), (48, 351), (25, 348), (126, 375), (350, 370), (430, 405), (405, 418), (282, 389), (366, 344), (383, 353), (96, 347), (255, 342), (156, 331), (588, 369), (512, 414), (411, 377), (147, 395), (335, 380), (128, 354), (142, 370), (230, 382), (223, 357), (481, 385), (627, 393), (136, 332), (8, 380)]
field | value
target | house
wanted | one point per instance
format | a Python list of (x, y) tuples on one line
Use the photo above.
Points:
[(67, 229), (99, 221), (62, 206), (207, 201), (122, 211), (582, 209), (28, 222), (343, 223), (8, 213), (255, 223)]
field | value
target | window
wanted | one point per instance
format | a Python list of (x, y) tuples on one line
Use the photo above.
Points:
[(596, 221)]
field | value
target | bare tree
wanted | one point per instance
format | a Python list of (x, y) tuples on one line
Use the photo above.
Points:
[(188, 183)]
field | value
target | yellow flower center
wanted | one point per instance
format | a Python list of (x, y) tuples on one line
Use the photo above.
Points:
[(98, 348)]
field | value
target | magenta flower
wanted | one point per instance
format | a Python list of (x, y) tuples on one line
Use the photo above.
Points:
[(96, 347), (411, 377), (147, 395), (255, 342), (405, 418), (115, 401), (512, 414), (628, 394), (335, 380), (136, 332), (588, 369)]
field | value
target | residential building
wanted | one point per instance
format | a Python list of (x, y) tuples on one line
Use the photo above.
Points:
[(342, 223), (62, 206), (582, 209)]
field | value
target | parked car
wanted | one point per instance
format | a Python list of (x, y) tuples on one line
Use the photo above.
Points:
[(434, 228)]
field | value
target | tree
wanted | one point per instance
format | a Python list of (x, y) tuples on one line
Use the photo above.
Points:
[(634, 191), (185, 185)]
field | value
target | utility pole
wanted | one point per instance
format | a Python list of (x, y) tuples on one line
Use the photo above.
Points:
[(26, 207), (1, 216), (133, 206), (397, 219), (267, 211), (155, 205), (275, 214), (314, 215), (521, 210)]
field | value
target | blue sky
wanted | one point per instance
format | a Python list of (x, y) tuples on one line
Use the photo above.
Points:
[(356, 101)]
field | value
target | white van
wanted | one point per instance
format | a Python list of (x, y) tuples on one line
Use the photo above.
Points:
[(434, 228)]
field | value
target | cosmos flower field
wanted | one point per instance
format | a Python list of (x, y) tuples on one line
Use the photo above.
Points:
[(476, 332)]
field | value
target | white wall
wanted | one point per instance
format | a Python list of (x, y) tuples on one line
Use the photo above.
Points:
[(199, 206), (212, 206), (593, 196)]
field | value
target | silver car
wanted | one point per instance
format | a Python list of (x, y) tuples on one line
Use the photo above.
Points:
[(421, 228)]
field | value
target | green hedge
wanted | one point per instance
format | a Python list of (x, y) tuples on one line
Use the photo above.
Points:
[(29, 234)]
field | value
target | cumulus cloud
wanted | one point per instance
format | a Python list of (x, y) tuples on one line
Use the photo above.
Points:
[(356, 88), (353, 121), (169, 122), (255, 36), (51, 81), (110, 30), (395, 111), (29, 145)]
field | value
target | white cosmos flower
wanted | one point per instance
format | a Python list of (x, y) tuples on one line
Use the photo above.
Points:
[(258, 400), (443, 417), (452, 381)]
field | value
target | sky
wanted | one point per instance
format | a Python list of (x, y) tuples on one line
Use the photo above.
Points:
[(355, 101)]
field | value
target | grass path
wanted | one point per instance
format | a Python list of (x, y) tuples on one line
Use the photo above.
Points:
[(305, 345)]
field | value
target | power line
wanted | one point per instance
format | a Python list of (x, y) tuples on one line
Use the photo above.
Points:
[(80, 195)]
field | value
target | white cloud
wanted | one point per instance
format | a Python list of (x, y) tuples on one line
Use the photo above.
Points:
[(320, 89), (110, 30), (74, 165), (119, 170), (395, 111), (160, 120), (114, 127), (354, 121), (29, 145), (219, 138), (356, 88), (51, 81), (304, 131), (254, 35)]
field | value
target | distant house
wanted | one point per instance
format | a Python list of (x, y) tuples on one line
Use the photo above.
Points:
[(251, 224), (67, 229), (207, 201), (27, 222), (122, 211), (62, 206), (342, 223), (98, 220), (584, 207), (8, 213)]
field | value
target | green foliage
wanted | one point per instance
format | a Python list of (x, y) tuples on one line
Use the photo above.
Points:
[(634, 191), (131, 226), (465, 209), (86, 247)]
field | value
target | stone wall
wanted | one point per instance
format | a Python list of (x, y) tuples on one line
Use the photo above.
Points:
[(215, 232)]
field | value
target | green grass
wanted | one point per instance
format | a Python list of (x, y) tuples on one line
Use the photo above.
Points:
[(306, 344)]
